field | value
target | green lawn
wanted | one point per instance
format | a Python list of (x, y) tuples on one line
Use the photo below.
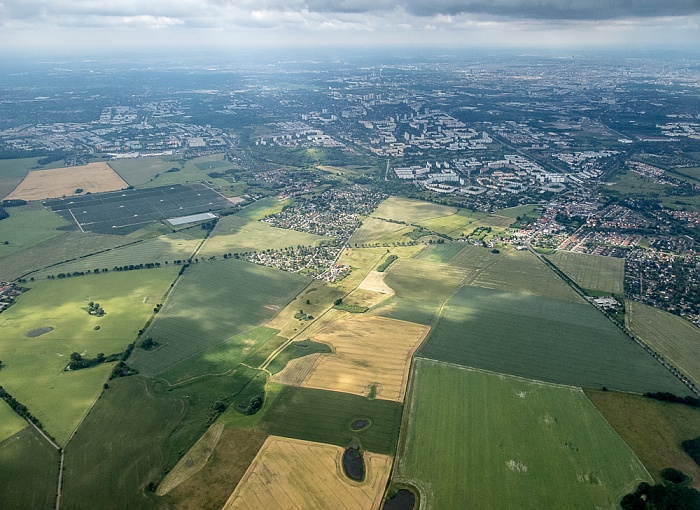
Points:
[(28, 472), (27, 225), (213, 302), (542, 338), (481, 440), (34, 367), (605, 274), (673, 337)]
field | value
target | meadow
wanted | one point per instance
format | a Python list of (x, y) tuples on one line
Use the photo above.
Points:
[(192, 170), (482, 440), (374, 230), (10, 422), (27, 226), (675, 338), (265, 207), (411, 211), (33, 369), (211, 303), (545, 339), (604, 274), (28, 472), (653, 429), (139, 171)]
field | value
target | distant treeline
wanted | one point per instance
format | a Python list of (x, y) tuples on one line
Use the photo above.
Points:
[(3, 213), (670, 397)]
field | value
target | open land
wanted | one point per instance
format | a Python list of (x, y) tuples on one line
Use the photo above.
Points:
[(374, 230), (191, 170), (444, 252), (673, 337), (209, 305), (653, 429), (605, 274), (10, 422), (138, 171), (60, 182), (303, 475), (12, 171), (28, 226), (34, 367), (411, 211), (542, 338), (541, 446), (367, 351)]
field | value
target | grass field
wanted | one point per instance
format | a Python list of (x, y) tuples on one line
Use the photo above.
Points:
[(367, 351), (411, 211), (190, 171), (64, 246), (139, 171), (265, 207), (481, 440), (545, 339), (210, 304), (605, 274), (33, 371), (673, 337), (60, 182), (374, 230), (444, 252), (326, 417), (120, 448), (653, 429), (522, 271), (27, 226), (28, 472), (296, 350), (10, 422), (306, 476), (234, 234)]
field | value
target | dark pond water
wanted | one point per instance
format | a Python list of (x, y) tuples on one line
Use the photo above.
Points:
[(354, 464), (33, 333), (402, 500), (359, 424)]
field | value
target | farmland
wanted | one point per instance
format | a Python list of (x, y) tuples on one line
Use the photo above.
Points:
[(10, 422), (653, 429), (374, 230), (34, 367), (307, 475), (411, 211), (541, 446), (605, 274), (367, 351), (209, 305), (193, 170), (139, 171), (541, 338), (673, 337), (12, 171), (440, 252), (27, 226)]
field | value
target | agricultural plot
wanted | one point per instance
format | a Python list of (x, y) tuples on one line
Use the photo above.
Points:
[(522, 271), (483, 440), (12, 171), (51, 321), (455, 225), (443, 252), (367, 352), (653, 429), (28, 472), (265, 207), (193, 170), (162, 250), (545, 339), (332, 415), (421, 287), (673, 337), (27, 226), (411, 211), (10, 422), (605, 274), (61, 182), (126, 211), (304, 475), (374, 230), (474, 258), (209, 305), (120, 447), (139, 171), (294, 351), (234, 234)]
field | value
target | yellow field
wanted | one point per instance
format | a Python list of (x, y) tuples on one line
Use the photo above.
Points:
[(193, 461), (411, 211), (367, 351), (93, 178), (296, 370), (374, 281), (295, 474)]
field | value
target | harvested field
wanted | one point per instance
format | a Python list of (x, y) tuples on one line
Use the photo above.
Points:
[(367, 351), (481, 440), (294, 474), (374, 281), (675, 338), (592, 272), (211, 486), (296, 371), (653, 429), (411, 211), (60, 182)]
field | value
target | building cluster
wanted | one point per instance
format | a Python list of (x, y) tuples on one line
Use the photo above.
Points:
[(8, 293), (296, 134)]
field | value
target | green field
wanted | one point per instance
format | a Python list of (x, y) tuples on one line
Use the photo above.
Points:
[(374, 230), (673, 337), (653, 429), (190, 171), (605, 274), (10, 422), (326, 416), (265, 207), (541, 338), (138, 171), (444, 252), (120, 448), (28, 225), (234, 234), (33, 371), (475, 258), (28, 472), (214, 301), (296, 350), (411, 211), (481, 440)]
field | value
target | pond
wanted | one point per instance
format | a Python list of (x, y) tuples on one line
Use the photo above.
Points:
[(33, 333)]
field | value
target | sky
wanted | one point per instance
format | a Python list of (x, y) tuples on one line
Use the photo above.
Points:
[(91, 25)]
